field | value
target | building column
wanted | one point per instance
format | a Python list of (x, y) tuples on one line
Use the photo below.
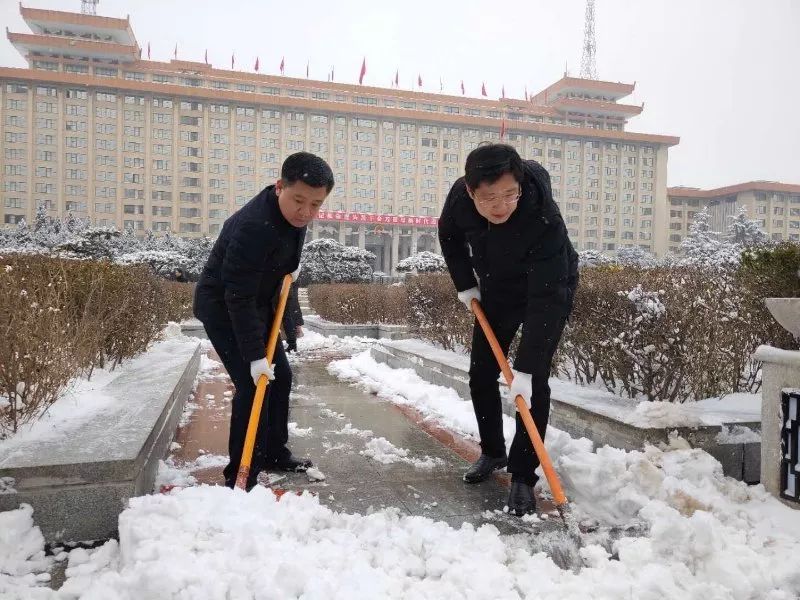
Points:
[(395, 250), (362, 236), (414, 239), (342, 227), (313, 229)]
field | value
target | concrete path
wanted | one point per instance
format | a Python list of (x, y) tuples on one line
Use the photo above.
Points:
[(329, 415)]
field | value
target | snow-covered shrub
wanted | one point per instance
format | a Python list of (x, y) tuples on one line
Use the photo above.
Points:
[(76, 238), (435, 312), (39, 353), (63, 317), (359, 302), (422, 262), (593, 258), (327, 261)]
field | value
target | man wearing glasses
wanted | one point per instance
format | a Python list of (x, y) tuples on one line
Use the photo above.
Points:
[(505, 244)]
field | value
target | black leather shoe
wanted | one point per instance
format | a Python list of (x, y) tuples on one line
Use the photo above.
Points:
[(484, 467), (290, 464), (521, 500)]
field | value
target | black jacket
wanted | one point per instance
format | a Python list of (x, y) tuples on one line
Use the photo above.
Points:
[(256, 248), (526, 268)]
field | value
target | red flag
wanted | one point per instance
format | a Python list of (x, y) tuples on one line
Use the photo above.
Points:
[(176, 51), (283, 64), (483, 89), (148, 50), (526, 93), (363, 71), (397, 77), (258, 64), (206, 56), (307, 64), (503, 92), (419, 80), (233, 60), (503, 129), (462, 87), (331, 73)]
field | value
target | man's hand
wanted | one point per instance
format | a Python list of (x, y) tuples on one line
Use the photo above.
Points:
[(295, 274), (467, 296), (521, 385), (260, 367), (299, 331)]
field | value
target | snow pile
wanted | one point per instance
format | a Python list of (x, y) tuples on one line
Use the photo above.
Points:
[(212, 542), (23, 563), (296, 431), (7, 485), (312, 341), (171, 473), (404, 386), (662, 414), (383, 451), (348, 429)]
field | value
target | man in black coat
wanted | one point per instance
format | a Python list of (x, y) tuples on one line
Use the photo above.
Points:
[(235, 297), (505, 244)]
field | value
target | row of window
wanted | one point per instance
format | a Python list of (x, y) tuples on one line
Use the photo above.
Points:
[(17, 88)]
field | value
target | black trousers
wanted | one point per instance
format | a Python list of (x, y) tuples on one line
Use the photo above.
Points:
[(273, 428), (485, 391)]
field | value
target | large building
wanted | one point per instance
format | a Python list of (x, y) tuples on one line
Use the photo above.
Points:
[(776, 207), (92, 128)]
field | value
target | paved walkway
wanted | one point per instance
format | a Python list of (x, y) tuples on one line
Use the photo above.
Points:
[(326, 411)]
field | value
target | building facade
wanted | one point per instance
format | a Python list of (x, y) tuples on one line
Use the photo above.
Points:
[(776, 207), (93, 128)]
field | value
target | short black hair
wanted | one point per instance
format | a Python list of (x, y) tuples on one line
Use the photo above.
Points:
[(308, 168), (489, 162)]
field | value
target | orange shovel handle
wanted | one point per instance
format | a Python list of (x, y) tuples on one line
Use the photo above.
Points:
[(522, 408), (261, 388)]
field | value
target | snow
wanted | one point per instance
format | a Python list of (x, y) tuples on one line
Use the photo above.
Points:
[(404, 386), (708, 536), (296, 431), (311, 341), (733, 408), (171, 473), (315, 474), (348, 429), (211, 542), (384, 452), (84, 398), (7, 485)]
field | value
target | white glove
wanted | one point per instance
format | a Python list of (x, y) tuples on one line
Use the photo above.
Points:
[(467, 295), (260, 367), (521, 385), (296, 274)]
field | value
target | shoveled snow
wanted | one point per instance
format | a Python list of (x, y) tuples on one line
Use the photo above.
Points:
[(211, 542), (383, 451), (296, 431)]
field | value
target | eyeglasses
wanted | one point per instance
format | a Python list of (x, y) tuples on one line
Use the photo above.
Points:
[(491, 200)]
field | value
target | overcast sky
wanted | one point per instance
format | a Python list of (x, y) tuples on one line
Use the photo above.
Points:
[(723, 75)]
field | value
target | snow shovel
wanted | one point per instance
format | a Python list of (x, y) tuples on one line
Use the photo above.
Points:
[(538, 445), (261, 388)]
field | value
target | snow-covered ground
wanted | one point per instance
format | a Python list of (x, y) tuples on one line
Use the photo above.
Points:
[(731, 409), (709, 537), (85, 398)]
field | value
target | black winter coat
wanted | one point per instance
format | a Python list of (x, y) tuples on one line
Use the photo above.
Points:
[(256, 248), (526, 268)]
